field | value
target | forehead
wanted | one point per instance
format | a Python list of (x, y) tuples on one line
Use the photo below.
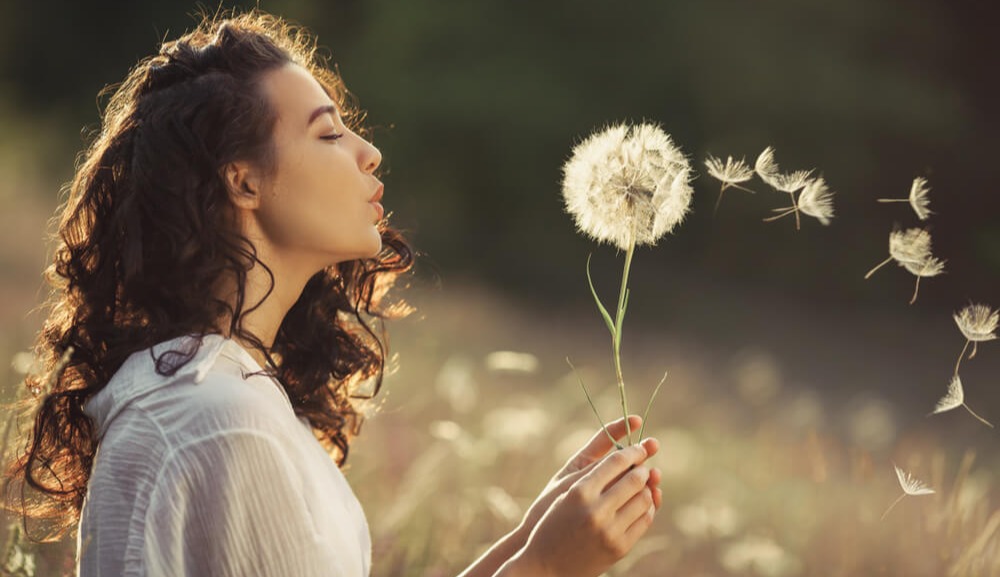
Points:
[(294, 94)]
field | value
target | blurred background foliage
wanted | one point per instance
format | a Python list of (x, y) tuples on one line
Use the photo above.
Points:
[(476, 105)]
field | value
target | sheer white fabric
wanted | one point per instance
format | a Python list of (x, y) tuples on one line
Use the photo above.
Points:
[(209, 472)]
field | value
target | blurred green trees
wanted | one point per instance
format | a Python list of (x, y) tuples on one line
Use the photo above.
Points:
[(477, 104)]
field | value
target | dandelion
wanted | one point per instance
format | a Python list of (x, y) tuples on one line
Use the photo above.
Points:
[(816, 200), (911, 249), (918, 198), (954, 398), (768, 170), (930, 267), (977, 323), (627, 186), (730, 174), (911, 486)]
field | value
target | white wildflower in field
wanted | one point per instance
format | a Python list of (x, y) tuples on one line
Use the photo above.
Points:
[(911, 249), (627, 185), (758, 555), (978, 323), (730, 174), (910, 485), (954, 398), (918, 198), (768, 171)]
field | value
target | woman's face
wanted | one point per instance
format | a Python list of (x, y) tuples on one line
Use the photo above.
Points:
[(320, 204)]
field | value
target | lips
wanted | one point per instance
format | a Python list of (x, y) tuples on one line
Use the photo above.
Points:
[(374, 201)]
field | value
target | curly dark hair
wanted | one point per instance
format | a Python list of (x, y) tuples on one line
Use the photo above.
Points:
[(148, 230)]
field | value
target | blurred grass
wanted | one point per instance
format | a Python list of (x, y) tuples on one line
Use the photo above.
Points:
[(759, 479), (777, 455)]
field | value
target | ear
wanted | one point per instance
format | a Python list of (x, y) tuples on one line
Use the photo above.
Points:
[(243, 184)]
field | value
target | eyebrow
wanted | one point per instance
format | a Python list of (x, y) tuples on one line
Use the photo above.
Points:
[(328, 109)]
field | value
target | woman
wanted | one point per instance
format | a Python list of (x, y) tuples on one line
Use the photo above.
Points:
[(221, 253)]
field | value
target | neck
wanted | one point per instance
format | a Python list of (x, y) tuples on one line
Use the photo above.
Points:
[(270, 299)]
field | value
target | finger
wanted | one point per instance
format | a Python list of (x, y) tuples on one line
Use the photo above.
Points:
[(651, 445), (611, 467), (621, 491), (600, 444), (639, 527), (636, 507), (655, 476)]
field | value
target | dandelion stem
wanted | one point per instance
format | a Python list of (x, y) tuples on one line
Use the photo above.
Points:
[(617, 340), (981, 420), (878, 266), (795, 206), (960, 355), (975, 347), (916, 287), (894, 503), (719, 200), (787, 212), (893, 200)]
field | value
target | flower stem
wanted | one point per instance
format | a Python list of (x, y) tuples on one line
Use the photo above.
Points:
[(776, 217), (960, 355), (981, 420), (617, 340), (893, 200), (894, 503), (795, 205), (878, 266)]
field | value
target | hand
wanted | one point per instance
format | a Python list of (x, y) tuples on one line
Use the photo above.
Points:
[(582, 462), (596, 521)]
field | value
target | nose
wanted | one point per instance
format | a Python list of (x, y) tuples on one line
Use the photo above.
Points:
[(370, 158)]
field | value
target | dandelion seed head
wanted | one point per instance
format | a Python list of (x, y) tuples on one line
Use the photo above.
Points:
[(627, 183), (910, 484), (767, 168), (816, 200), (929, 267), (954, 398), (769, 171), (918, 198), (977, 322), (732, 172), (793, 181), (910, 245)]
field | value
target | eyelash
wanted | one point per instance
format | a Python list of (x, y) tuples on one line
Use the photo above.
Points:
[(332, 137)]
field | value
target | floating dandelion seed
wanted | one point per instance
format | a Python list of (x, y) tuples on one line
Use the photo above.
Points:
[(977, 323), (918, 198), (954, 398), (768, 170), (911, 249), (627, 185), (816, 200), (911, 486), (930, 267), (730, 174)]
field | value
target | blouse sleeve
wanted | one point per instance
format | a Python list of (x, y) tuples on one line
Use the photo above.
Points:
[(231, 505)]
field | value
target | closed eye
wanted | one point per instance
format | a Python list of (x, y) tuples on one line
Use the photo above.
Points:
[(331, 137)]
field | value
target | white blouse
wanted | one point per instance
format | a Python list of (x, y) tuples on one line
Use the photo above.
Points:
[(209, 472)]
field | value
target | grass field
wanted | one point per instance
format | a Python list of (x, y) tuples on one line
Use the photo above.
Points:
[(766, 472)]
